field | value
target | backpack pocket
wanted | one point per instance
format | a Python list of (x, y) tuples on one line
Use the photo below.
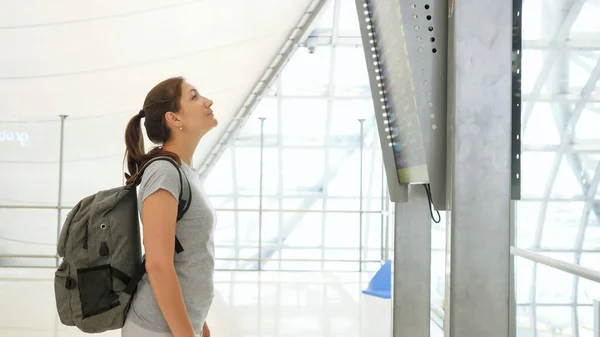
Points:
[(96, 290)]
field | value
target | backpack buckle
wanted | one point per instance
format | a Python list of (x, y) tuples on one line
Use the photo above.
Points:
[(70, 283)]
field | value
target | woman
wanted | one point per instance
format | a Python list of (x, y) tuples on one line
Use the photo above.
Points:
[(176, 293)]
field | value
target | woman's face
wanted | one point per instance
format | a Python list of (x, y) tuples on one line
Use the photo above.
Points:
[(196, 114)]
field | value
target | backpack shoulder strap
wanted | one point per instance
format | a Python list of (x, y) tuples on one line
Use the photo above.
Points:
[(185, 197), (185, 200), (185, 193)]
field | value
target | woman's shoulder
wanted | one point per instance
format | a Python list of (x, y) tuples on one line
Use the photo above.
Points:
[(160, 174), (161, 167)]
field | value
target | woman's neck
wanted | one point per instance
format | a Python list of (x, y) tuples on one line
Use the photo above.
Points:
[(184, 151)]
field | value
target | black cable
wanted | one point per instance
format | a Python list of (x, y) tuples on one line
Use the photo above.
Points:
[(428, 190)]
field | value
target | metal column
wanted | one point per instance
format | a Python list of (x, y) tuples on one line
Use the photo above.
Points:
[(360, 181), (479, 164), (412, 266), (596, 319), (60, 180), (260, 191)]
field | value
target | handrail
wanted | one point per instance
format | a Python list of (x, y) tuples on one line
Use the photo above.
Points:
[(577, 270)]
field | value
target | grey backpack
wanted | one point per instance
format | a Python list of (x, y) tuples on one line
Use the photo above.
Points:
[(102, 256)]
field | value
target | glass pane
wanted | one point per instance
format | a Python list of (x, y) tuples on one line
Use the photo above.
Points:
[(345, 126), (553, 285), (341, 266), (566, 184), (343, 204), (225, 230), (541, 129), (342, 230), (589, 163), (588, 290), (551, 319), (299, 254), (350, 77), (527, 219), (348, 24), (271, 175), (373, 183), (29, 165), (26, 232), (561, 225), (249, 134), (301, 204), (248, 202), (591, 240), (532, 22), (224, 252), (587, 20), (324, 20), (438, 277), (371, 203), (294, 266), (438, 233), (587, 126), (524, 326), (579, 72), (372, 235), (585, 318), (304, 121), (346, 180), (271, 226), (247, 169), (307, 73), (219, 181), (222, 202), (535, 171), (248, 228), (236, 228), (302, 229), (532, 62), (523, 273), (343, 254), (303, 169)]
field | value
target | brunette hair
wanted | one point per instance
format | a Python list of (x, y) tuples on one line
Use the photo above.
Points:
[(164, 97)]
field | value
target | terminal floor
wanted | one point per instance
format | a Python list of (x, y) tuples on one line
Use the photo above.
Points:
[(265, 304)]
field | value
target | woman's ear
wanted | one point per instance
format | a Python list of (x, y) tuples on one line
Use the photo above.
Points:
[(172, 119)]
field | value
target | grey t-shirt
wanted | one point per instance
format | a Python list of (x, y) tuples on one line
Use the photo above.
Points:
[(195, 265)]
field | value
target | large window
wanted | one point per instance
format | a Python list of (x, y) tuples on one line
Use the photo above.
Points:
[(299, 201), (560, 209)]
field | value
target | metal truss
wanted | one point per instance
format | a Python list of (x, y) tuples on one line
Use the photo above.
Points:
[(572, 8), (286, 229), (555, 73), (298, 34)]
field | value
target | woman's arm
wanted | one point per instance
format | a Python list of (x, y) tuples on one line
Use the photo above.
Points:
[(159, 214)]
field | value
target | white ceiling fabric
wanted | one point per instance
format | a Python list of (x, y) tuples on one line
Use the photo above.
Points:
[(96, 60)]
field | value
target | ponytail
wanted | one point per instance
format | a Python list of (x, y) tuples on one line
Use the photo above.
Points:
[(134, 142), (135, 153)]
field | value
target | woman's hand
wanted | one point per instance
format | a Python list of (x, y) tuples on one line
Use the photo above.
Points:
[(205, 330)]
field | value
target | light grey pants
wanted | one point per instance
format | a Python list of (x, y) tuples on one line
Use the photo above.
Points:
[(131, 329)]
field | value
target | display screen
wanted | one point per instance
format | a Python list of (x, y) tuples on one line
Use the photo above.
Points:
[(403, 128)]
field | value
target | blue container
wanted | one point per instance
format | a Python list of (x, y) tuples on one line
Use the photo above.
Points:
[(381, 283)]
